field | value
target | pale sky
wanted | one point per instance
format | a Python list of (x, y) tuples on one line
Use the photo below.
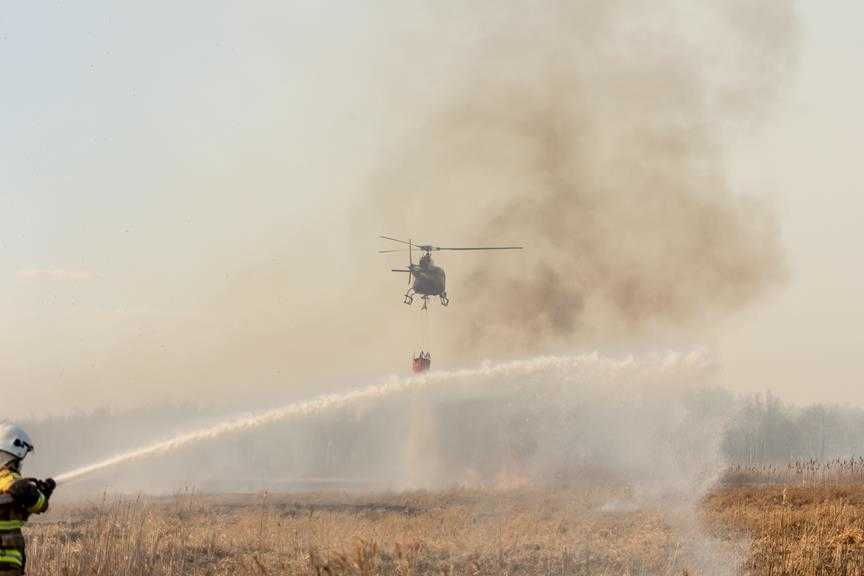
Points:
[(142, 148), (806, 342)]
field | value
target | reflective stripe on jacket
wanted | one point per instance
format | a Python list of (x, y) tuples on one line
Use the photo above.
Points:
[(9, 557)]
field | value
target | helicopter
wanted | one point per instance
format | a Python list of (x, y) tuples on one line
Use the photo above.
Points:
[(429, 279)]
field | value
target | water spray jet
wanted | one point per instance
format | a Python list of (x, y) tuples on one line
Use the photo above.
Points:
[(581, 366)]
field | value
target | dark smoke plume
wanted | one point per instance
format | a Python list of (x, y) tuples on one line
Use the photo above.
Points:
[(596, 133)]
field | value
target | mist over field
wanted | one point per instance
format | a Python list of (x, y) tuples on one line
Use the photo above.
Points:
[(545, 421)]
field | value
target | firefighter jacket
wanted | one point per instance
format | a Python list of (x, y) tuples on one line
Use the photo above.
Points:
[(18, 499)]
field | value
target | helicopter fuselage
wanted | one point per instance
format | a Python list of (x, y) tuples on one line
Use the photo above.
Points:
[(425, 278), (429, 280)]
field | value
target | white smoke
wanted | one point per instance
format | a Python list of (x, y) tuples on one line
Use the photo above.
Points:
[(574, 382)]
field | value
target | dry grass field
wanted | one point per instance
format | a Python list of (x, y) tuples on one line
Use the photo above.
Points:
[(460, 532), (738, 528)]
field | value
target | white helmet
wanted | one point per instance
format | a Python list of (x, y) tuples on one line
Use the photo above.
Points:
[(14, 440)]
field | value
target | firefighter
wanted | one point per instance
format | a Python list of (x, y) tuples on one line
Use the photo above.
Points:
[(19, 497)]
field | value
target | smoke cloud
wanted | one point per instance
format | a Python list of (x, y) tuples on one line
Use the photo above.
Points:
[(595, 133)]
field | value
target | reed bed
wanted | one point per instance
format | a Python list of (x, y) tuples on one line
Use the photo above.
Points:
[(793, 530), (804, 472)]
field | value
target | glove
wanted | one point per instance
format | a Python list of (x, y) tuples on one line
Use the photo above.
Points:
[(47, 486), (25, 492)]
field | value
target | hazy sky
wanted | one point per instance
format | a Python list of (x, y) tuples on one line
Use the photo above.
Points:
[(152, 154), (806, 342)]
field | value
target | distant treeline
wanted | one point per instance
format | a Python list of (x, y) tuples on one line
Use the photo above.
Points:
[(765, 429)]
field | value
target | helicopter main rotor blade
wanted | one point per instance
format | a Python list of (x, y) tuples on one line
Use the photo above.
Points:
[(431, 248), (398, 270), (436, 248)]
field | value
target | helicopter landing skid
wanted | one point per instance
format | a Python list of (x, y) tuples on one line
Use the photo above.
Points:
[(409, 297)]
